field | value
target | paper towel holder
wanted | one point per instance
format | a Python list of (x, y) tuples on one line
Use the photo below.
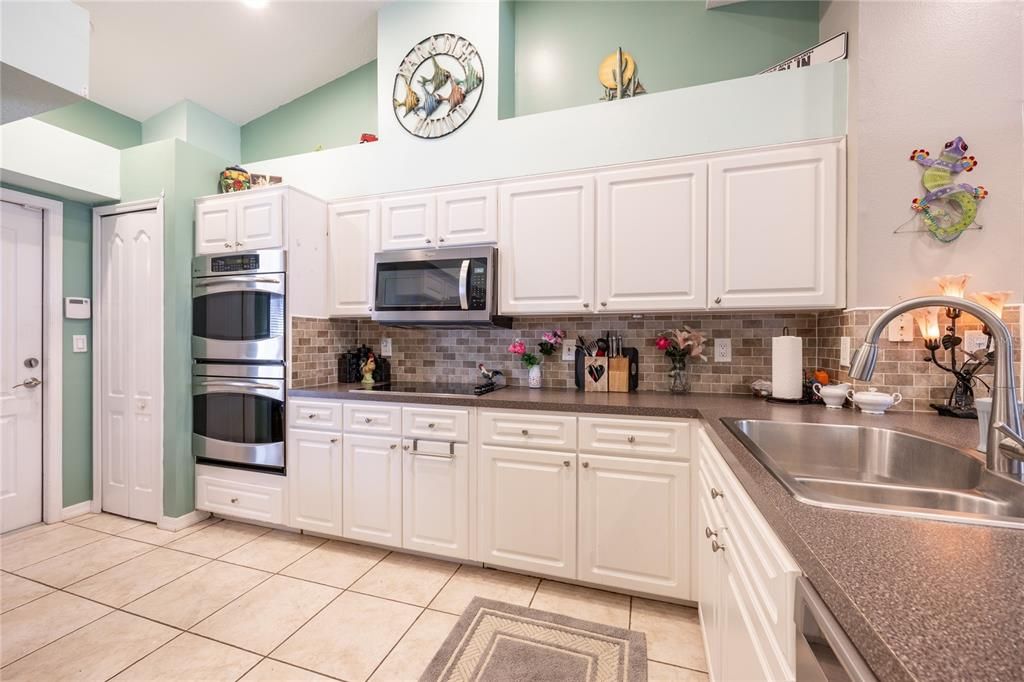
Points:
[(807, 396)]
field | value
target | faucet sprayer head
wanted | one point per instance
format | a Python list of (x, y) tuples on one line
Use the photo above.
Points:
[(862, 364)]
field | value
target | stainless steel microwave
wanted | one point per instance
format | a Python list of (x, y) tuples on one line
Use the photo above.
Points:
[(437, 287)]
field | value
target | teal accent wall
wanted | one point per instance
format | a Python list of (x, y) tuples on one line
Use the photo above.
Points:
[(170, 123), (96, 122), (77, 370), (333, 115), (677, 44), (189, 122), (506, 59), (182, 171)]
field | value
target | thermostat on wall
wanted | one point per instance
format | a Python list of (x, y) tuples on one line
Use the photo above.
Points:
[(77, 308)]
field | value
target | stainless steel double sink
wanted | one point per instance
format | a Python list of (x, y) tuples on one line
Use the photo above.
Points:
[(879, 470)]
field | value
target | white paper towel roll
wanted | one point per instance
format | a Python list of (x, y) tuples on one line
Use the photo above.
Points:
[(787, 367)]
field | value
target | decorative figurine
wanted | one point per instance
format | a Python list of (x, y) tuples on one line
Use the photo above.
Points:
[(618, 75), (946, 225), (234, 179), (367, 368)]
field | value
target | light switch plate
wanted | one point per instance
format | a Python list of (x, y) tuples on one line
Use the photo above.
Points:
[(723, 350), (569, 350), (844, 351), (902, 328), (79, 343), (385, 347)]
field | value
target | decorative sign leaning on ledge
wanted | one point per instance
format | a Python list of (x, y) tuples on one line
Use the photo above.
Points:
[(831, 50), (438, 85)]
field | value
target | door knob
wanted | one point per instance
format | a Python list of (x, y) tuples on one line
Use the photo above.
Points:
[(31, 363), (31, 382)]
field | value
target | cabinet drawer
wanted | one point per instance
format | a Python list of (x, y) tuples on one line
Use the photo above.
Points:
[(312, 414), (439, 423), (373, 418), (528, 430), (645, 437), (240, 494)]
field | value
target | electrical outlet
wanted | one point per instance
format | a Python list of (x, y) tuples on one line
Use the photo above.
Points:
[(723, 350), (385, 347), (568, 350), (902, 328), (974, 340), (844, 351)]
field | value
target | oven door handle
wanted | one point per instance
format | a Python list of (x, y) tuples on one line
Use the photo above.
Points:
[(464, 285), (214, 281), (239, 384)]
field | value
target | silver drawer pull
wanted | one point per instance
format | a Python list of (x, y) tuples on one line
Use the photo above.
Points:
[(715, 492), (631, 439), (367, 420), (526, 432), (334, 440), (715, 546), (708, 533), (234, 500)]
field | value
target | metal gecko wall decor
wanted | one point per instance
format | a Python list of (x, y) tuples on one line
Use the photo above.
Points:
[(949, 207), (438, 85)]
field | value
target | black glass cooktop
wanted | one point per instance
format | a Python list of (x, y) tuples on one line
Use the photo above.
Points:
[(426, 388)]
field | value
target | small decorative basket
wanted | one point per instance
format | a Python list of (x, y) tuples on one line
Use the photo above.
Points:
[(234, 179)]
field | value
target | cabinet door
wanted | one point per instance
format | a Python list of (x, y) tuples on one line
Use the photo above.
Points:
[(467, 216), (435, 503), (634, 524), (651, 238), (709, 568), (353, 238), (215, 227), (776, 228), (314, 481), (527, 511), (372, 490), (547, 246), (742, 657), (408, 222), (261, 222)]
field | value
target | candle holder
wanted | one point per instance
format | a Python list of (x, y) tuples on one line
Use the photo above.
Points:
[(960, 402)]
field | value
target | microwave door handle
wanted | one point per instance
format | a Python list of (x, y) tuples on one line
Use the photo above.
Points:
[(214, 281), (463, 285)]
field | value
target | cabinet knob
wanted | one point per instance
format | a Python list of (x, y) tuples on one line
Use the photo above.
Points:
[(718, 299), (604, 304), (394, 446), (526, 432), (440, 239), (567, 464), (631, 439), (367, 420), (428, 241), (430, 426), (370, 308), (234, 500), (586, 305), (334, 440), (708, 533), (312, 416), (586, 465), (715, 546), (405, 447), (227, 245), (238, 244), (715, 492)]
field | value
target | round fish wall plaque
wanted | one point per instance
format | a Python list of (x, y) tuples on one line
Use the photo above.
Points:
[(438, 85)]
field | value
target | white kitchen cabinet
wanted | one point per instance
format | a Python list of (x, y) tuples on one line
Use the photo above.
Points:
[(634, 524), (777, 228), (527, 510), (372, 489), (216, 227), (708, 583), (435, 500), (241, 494), (260, 220), (353, 239), (546, 252), (467, 216), (408, 221), (314, 481), (652, 238)]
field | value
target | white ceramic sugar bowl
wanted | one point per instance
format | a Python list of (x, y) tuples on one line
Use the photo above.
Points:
[(873, 401), (834, 395)]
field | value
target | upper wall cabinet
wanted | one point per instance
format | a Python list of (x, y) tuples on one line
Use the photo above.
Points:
[(353, 237), (777, 228), (467, 216), (240, 222), (408, 222), (546, 252), (651, 238)]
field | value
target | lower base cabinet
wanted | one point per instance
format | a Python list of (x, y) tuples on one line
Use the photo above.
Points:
[(314, 481), (527, 510), (634, 524), (435, 510), (372, 489)]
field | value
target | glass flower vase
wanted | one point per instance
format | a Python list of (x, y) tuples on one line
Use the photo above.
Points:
[(680, 379)]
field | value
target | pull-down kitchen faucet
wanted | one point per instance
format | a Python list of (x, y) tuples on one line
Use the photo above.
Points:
[(1005, 454)]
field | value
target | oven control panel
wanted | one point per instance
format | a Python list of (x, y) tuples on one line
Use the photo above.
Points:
[(478, 284), (235, 263)]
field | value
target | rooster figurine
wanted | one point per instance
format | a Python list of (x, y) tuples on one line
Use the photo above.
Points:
[(489, 374)]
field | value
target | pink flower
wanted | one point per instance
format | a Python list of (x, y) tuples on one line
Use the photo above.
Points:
[(517, 347)]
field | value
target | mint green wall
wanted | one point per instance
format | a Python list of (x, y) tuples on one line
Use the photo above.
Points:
[(183, 172), (96, 122), (77, 371), (677, 43), (506, 59), (170, 123), (333, 115), (216, 135)]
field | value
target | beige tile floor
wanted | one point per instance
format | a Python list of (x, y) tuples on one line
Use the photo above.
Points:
[(101, 597)]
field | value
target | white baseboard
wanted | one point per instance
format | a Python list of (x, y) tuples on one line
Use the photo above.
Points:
[(179, 522), (76, 510)]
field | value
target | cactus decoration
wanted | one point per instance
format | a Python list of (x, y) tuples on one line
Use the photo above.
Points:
[(438, 86), (618, 76)]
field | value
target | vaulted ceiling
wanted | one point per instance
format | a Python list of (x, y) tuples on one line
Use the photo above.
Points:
[(235, 60)]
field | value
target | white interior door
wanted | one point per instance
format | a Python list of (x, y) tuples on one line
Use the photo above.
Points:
[(21, 345), (131, 363)]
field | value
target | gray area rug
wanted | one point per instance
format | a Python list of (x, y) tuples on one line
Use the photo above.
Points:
[(498, 642)]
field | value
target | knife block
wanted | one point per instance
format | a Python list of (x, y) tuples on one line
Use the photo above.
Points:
[(618, 374), (595, 374)]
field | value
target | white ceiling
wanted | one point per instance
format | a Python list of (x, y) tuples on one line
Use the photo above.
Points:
[(236, 61)]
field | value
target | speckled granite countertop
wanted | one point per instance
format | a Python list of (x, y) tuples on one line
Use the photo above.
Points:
[(920, 599)]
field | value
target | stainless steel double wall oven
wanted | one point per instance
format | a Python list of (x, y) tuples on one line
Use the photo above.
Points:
[(238, 350)]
